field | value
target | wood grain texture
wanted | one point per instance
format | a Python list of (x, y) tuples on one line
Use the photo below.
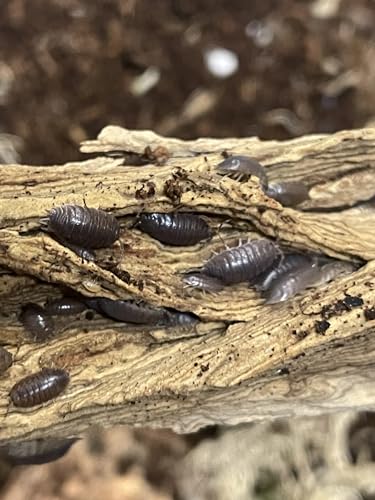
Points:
[(244, 360)]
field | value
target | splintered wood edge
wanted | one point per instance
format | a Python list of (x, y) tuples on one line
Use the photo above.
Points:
[(276, 362), (281, 364), (315, 158)]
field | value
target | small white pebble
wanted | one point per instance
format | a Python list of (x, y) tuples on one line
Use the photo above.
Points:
[(220, 62), (145, 82)]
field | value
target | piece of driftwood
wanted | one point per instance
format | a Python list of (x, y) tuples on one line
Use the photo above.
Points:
[(244, 360)]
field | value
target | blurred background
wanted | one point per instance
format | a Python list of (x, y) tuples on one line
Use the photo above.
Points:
[(275, 69)]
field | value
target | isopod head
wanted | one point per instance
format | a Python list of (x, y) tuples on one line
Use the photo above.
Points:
[(242, 168), (203, 282)]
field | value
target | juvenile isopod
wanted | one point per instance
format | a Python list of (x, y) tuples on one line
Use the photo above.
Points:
[(242, 168), (203, 282), (286, 264), (66, 306), (39, 387), (331, 270), (242, 263), (129, 311), (36, 451), (6, 359), (175, 229), (310, 274), (38, 324), (292, 282), (289, 194), (84, 227)]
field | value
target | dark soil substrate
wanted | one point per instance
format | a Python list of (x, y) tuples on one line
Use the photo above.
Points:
[(67, 66)]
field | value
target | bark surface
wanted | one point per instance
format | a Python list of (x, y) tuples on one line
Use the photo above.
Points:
[(245, 360)]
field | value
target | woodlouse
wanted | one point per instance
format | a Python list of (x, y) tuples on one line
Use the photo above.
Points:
[(84, 227), (287, 263), (36, 451), (310, 274), (175, 229), (38, 324), (242, 263), (241, 168), (292, 282), (6, 359), (203, 282), (331, 270), (129, 311), (39, 387), (66, 306), (289, 194)]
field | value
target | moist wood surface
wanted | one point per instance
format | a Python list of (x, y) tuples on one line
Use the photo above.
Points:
[(245, 360)]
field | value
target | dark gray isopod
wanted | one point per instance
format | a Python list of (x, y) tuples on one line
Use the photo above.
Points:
[(84, 227), (66, 306), (242, 168), (39, 387), (175, 229), (38, 324), (36, 451), (242, 263), (129, 311), (289, 194), (6, 359)]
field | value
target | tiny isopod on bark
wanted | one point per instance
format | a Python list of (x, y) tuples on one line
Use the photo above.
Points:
[(6, 359), (289, 194), (306, 275), (38, 324), (84, 227), (292, 282), (331, 270), (39, 387), (175, 229), (243, 262), (241, 168)]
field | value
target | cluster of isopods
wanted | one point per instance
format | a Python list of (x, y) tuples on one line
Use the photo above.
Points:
[(261, 262)]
